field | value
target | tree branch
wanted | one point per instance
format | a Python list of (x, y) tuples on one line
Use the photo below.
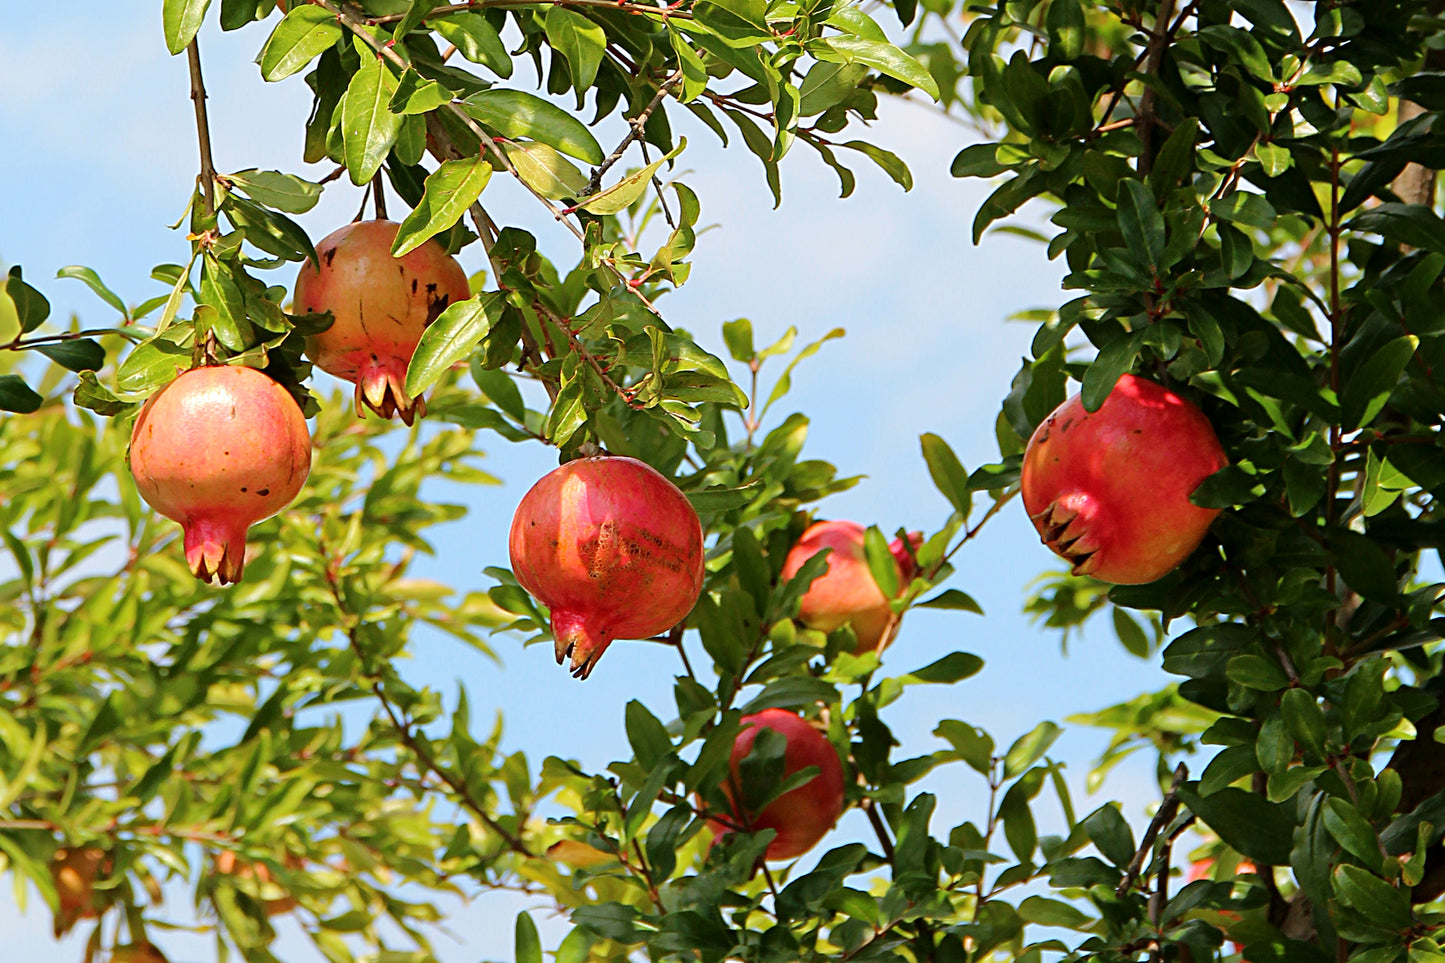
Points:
[(635, 132), (203, 128), (1168, 809)]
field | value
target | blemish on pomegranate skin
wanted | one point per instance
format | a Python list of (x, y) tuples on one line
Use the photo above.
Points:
[(328, 256), (263, 492)]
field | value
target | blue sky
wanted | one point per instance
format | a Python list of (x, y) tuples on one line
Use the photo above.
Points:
[(95, 168)]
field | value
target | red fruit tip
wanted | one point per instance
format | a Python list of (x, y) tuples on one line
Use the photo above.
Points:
[(381, 387), (215, 551), (576, 638)]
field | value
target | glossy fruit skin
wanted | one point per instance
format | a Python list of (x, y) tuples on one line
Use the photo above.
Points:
[(217, 450), (613, 548), (381, 304), (802, 816), (1109, 491), (847, 592)]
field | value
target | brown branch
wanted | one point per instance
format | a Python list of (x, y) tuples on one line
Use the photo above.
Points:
[(203, 128), (1168, 809), (635, 132), (1158, 43), (870, 807), (665, 12), (378, 195)]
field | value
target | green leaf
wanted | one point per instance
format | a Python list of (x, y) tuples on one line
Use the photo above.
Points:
[(891, 164), (1112, 361), (973, 745), (1029, 748), (738, 336), (368, 127), (513, 113), (954, 667), (647, 736), (92, 280), (881, 563), (579, 40), (276, 190), (1141, 222), (1066, 28), (416, 94), (948, 474), (450, 190), (16, 395), (182, 18), (1370, 387), (785, 380), (1053, 912), (1254, 826), (306, 32), (528, 946), (31, 307), (1305, 720), (415, 15), (880, 55), (952, 599), (79, 355), (617, 197), (1383, 905), (1110, 833), (477, 40), (1256, 672), (452, 337), (544, 170), (1353, 832), (827, 85)]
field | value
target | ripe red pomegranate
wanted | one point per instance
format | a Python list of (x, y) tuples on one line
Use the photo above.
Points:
[(612, 548), (381, 305), (1203, 869), (217, 450), (1109, 491), (846, 592), (802, 816)]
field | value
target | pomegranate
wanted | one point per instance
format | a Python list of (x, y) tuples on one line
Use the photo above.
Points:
[(218, 449), (802, 816), (74, 872), (846, 591), (138, 953), (612, 548), (1109, 491), (1204, 868), (381, 305)]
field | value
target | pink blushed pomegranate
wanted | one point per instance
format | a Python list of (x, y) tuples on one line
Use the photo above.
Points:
[(613, 548), (217, 450), (1109, 491), (846, 591), (801, 817), (381, 304)]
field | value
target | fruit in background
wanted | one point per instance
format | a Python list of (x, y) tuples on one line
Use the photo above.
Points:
[(613, 548), (257, 882), (381, 304), (74, 872), (217, 450), (802, 816), (1109, 491), (138, 953), (1202, 869), (847, 592)]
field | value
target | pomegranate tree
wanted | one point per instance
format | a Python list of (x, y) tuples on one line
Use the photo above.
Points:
[(801, 816), (381, 304), (74, 872), (219, 449), (612, 548), (847, 591), (1109, 491)]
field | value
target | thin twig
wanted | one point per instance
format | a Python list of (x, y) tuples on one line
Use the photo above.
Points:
[(203, 128), (635, 132), (1168, 809), (870, 807), (378, 195), (1158, 43)]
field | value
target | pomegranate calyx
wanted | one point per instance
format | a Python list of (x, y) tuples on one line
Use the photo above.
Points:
[(216, 549), (381, 386), (577, 638)]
